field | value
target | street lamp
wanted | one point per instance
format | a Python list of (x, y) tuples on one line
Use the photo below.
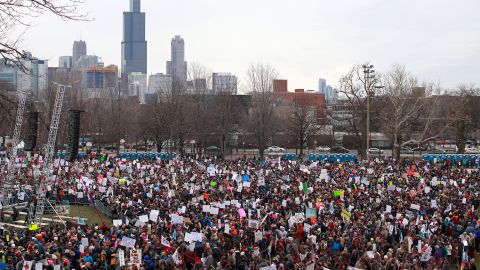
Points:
[(369, 86)]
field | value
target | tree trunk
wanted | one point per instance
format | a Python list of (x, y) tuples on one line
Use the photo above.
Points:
[(302, 143), (461, 139), (223, 145), (159, 145), (396, 146)]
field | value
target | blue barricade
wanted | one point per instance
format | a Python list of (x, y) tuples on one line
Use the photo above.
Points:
[(333, 157), (289, 156), (452, 157), (147, 155)]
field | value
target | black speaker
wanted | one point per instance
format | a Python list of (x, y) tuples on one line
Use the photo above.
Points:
[(73, 134), (32, 130)]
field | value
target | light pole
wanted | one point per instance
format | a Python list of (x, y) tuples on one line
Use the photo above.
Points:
[(369, 86)]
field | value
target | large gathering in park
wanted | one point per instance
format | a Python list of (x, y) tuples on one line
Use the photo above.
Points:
[(187, 213)]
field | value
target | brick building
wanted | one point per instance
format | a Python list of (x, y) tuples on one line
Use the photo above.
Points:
[(314, 99)]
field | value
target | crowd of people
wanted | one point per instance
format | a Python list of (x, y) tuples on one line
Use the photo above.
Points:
[(190, 213)]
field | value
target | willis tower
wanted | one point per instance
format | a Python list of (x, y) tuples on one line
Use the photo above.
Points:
[(134, 45)]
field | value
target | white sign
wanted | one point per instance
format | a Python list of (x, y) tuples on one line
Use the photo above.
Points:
[(143, 218), (121, 257), (176, 219), (117, 222), (415, 206), (154, 215), (128, 242)]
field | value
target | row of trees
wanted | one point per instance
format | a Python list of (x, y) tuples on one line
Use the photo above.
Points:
[(409, 112), (394, 103)]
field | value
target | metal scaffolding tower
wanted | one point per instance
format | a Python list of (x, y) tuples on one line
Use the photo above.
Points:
[(8, 184), (36, 210)]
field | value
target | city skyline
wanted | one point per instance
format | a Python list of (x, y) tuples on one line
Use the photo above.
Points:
[(303, 48)]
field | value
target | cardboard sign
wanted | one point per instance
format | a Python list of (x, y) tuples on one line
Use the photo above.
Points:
[(121, 257), (154, 215), (128, 242), (176, 219), (136, 257)]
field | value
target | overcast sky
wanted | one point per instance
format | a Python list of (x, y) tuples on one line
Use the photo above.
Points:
[(437, 40)]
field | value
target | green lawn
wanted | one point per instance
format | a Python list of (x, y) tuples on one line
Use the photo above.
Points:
[(88, 212), (92, 215)]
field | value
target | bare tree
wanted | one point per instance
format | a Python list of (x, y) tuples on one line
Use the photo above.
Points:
[(433, 117), (199, 105), (261, 120), (16, 14), (7, 106), (464, 114), (302, 124), (175, 98), (400, 106), (226, 113), (356, 87), (155, 123)]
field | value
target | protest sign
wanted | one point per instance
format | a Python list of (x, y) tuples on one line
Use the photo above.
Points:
[(128, 242)]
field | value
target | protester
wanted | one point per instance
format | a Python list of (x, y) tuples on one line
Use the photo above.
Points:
[(191, 213)]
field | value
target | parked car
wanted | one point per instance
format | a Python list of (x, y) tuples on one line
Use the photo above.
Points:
[(419, 149), (437, 150), (472, 151), (212, 149), (275, 149), (471, 142), (139, 147), (406, 150), (323, 148), (375, 151), (339, 149)]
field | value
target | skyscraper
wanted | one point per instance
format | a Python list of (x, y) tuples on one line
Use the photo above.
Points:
[(79, 50), (322, 83), (177, 67), (134, 45)]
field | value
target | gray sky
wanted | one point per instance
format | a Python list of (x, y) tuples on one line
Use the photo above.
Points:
[(437, 40)]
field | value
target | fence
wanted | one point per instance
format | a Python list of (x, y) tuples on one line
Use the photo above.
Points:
[(103, 208)]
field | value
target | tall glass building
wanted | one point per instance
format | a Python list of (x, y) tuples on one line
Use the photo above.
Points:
[(134, 45)]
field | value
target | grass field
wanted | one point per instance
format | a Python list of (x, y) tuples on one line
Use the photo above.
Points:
[(88, 212)]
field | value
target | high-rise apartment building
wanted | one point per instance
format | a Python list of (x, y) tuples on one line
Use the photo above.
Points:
[(79, 50), (8, 73), (134, 45), (177, 67), (137, 85), (65, 61), (31, 78), (322, 83), (329, 92), (101, 81), (224, 83), (159, 83)]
